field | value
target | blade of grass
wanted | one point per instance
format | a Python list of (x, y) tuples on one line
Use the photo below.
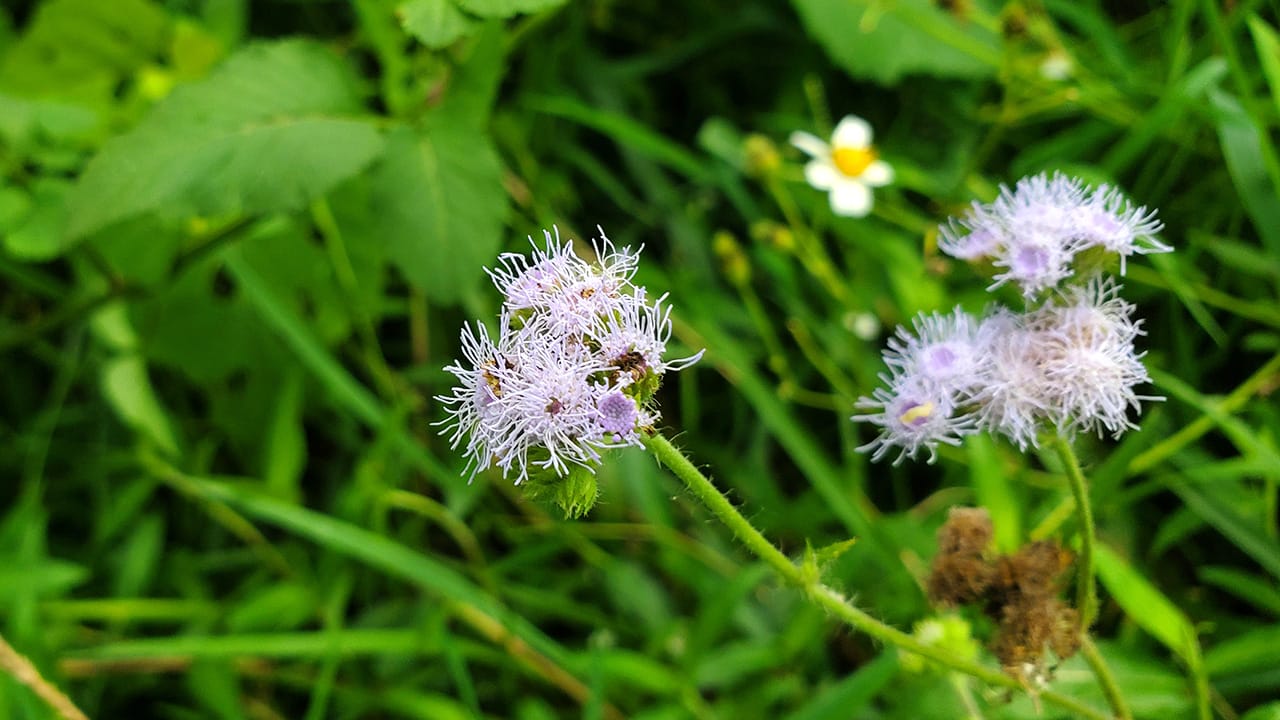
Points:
[(527, 644)]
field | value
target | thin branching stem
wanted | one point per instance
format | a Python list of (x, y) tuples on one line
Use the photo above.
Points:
[(824, 596)]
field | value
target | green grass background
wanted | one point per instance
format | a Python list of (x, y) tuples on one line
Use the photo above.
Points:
[(238, 240)]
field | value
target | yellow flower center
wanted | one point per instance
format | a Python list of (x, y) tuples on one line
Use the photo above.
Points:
[(915, 414), (853, 161)]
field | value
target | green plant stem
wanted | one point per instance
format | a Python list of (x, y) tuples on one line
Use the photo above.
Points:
[(1110, 689), (1086, 587), (1086, 590), (825, 597)]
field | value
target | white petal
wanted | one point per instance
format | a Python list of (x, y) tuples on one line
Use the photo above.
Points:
[(852, 132), (877, 174), (821, 174), (810, 144), (851, 198)]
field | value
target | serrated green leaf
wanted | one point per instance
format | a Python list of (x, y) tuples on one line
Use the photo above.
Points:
[(272, 128), (506, 8), (883, 42), (439, 207), (435, 23)]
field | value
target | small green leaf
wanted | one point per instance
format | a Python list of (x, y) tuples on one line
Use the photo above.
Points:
[(128, 390), (435, 23), (40, 235)]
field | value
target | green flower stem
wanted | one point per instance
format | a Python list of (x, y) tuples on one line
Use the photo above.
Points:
[(1110, 689), (1086, 587), (824, 596), (1086, 590)]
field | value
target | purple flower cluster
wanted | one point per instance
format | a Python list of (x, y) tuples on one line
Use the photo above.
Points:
[(1065, 365), (574, 368), (1034, 232)]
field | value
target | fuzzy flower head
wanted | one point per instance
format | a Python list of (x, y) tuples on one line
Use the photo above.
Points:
[(1067, 366), (1089, 364), (847, 167), (912, 416), (1034, 233), (944, 352), (574, 370)]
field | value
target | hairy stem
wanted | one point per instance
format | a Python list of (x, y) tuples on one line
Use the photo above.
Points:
[(825, 597), (1110, 689), (1086, 590), (1086, 587)]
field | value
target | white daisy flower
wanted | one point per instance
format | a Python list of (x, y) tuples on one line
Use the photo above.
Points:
[(847, 167)]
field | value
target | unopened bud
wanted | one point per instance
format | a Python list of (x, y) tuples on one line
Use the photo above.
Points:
[(763, 158)]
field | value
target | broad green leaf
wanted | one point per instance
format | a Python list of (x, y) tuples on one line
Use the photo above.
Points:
[(435, 23), (438, 204), (473, 84), (506, 8), (885, 41), (270, 129)]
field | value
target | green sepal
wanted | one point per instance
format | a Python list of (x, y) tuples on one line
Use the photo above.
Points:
[(574, 493)]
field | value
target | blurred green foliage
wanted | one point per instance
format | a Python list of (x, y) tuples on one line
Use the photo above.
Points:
[(237, 241)]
